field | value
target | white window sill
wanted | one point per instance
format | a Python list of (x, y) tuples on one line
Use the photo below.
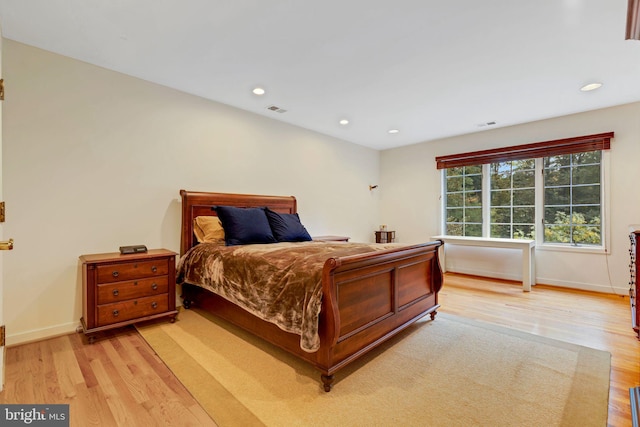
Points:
[(574, 249)]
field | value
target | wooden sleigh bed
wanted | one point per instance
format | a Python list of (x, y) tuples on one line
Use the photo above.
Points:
[(366, 299)]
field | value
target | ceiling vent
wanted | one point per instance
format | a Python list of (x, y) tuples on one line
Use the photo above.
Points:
[(276, 109), (480, 125)]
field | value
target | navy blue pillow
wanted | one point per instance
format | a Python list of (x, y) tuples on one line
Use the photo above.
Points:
[(243, 226), (287, 227)]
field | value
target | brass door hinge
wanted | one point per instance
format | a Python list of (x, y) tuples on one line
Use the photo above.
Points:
[(1, 89), (1, 211), (2, 336)]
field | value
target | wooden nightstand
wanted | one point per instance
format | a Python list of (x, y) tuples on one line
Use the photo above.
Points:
[(118, 290), (331, 238)]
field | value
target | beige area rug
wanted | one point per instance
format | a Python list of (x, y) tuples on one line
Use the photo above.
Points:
[(447, 372)]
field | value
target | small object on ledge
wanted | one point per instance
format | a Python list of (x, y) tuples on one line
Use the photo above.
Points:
[(385, 236), (133, 249)]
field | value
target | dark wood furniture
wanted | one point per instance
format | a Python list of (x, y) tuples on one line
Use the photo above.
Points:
[(119, 290), (634, 237), (385, 236), (330, 238), (367, 298)]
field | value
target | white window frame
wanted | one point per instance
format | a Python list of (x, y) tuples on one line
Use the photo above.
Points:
[(539, 208)]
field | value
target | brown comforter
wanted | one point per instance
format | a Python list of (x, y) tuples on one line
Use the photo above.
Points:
[(280, 282)]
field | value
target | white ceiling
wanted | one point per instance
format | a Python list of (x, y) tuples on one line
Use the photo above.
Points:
[(429, 68)]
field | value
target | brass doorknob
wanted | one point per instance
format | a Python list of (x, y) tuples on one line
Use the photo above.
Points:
[(6, 245)]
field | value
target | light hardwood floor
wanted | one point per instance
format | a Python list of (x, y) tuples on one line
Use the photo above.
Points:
[(119, 381)]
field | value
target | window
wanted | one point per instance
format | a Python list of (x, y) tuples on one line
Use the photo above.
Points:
[(464, 201), (506, 192), (572, 199), (513, 211)]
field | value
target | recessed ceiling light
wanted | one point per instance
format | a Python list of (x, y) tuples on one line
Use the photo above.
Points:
[(258, 91), (393, 131), (590, 86), (344, 122)]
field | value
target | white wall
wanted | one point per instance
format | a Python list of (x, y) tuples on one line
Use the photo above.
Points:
[(94, 159), (410, 199)]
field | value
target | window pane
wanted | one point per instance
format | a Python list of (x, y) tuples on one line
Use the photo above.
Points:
[(473, 182), (586, 174), (473, 215), (524, 215), (561, 176), (524, 179), (557, 215), (454, 229), (454, 183), (473, 230), (455, 200), (473, 198), (587, 194), (557, 196), (501, 215), (455, 215), (501, 231), (524, 197), (501, 198)]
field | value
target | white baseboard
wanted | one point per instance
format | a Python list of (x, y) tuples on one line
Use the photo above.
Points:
[(49, 332), (607, 289), (41, 334)]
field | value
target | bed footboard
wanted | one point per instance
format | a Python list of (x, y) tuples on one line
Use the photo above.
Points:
[(369, 298)]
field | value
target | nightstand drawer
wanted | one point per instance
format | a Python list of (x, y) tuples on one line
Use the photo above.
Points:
[(120, 291), (132, 270), (132, 309)]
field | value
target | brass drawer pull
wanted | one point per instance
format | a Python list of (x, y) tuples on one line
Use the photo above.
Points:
[(154, 286), (115, 274), (154, 269), (115, 313), (116, 293), (154, 305)]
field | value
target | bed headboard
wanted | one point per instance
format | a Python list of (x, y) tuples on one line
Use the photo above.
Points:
[(196, 203)]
